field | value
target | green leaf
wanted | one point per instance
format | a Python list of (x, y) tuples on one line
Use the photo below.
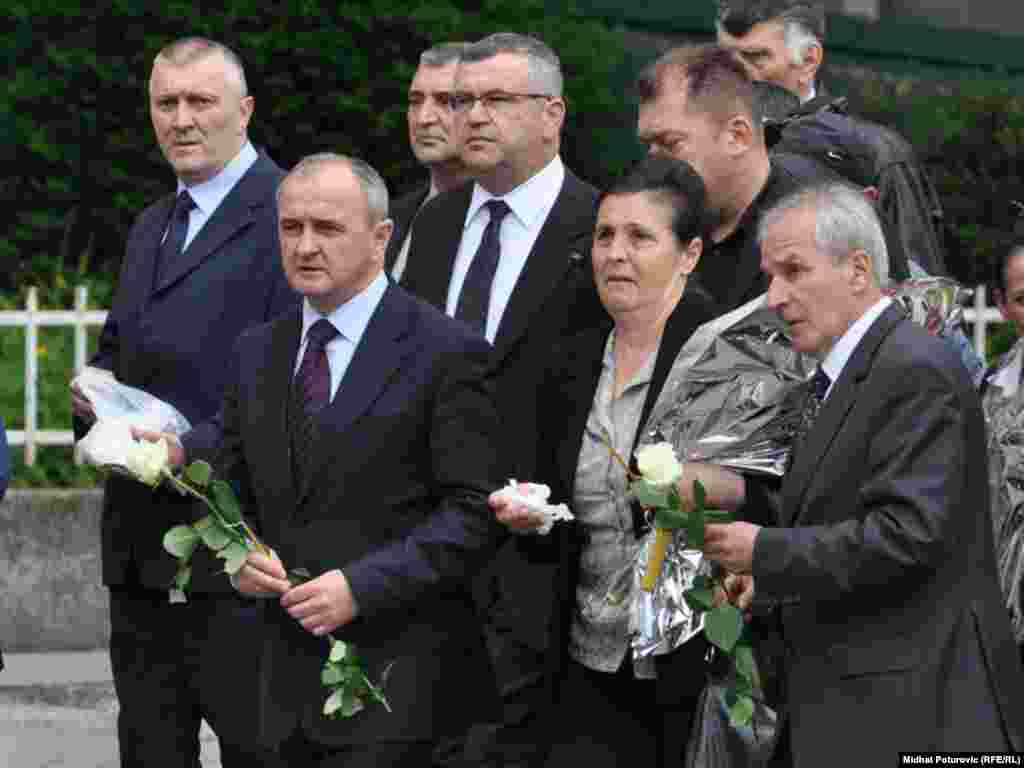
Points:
[(227, 503), (742, 712), (234, 555), (183, 577), (333, 674), (723, 626), (204, 522), (215, 537), (338, 651), (199, 473), (699, 598), (670, 519), (351, 705), (649, 495), (181, 541)]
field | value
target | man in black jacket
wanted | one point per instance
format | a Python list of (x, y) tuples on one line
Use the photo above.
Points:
[(782, 41)]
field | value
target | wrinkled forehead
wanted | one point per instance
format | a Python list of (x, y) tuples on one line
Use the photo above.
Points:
[(209, 72), (430, 79), (506, 71)]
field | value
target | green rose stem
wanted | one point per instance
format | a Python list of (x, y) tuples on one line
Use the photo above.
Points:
[(724, 626), (226, 533)]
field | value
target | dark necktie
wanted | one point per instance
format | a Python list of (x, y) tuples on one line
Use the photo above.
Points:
[(177, 228), (816, 390), (476, 290), (311, 392)]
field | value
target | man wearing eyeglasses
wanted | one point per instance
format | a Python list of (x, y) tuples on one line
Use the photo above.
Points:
[(433, 141), (510, 255)]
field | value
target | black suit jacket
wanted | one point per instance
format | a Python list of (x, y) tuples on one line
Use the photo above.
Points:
[(554, 298), (403, 463), (897, 636), (171, 340), (569, 384), (402, 212)]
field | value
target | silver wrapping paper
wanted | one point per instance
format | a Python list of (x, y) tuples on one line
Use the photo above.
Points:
[(1005, 417), (732, 397), (934, 303)]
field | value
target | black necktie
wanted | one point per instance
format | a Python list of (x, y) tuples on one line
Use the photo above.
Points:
[(818, 386), (476, 290), (310, 393)]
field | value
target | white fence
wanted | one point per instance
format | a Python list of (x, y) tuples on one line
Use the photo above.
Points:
[(980, 315), (31, 319)]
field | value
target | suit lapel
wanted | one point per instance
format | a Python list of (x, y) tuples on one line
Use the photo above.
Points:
[(377, 359), (276, 388), (581, 375), (403, 214), (833, 414), (143, 265), (432, 253), (550, 258), (235, 213)]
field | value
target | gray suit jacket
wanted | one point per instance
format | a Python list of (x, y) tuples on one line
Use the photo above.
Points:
[(884, 566)]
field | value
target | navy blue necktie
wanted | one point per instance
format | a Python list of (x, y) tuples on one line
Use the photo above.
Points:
[(476, 289), (818, 387), (177, 228)]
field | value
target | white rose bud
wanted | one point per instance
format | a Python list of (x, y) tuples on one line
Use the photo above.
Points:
[(147, 461), (658, 464)]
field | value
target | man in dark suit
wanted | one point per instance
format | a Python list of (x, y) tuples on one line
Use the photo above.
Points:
[(882, 564), (370, 469), (510, 255), (199, 268), (698, 104), (434, 143)]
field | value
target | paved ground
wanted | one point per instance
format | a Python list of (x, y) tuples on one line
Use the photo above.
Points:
[(58, 710)]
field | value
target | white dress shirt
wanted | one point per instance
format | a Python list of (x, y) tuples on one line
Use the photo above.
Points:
[(209, 194), (842, 350), (350, 320), (530, 204)]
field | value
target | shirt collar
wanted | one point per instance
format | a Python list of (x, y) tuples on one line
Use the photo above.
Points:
[(1007, 378), (530, 200), (842, 350), (209, 194), (810, 95), (352, 317), (643, 375)]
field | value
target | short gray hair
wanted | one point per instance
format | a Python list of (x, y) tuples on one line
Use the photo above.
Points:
[(545, 68), (186, 50), (373, 185), (803, 21), (845, 221), (442, 54)]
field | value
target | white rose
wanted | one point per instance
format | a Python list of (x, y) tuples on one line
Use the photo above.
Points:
[(658, 464), (147, 461)]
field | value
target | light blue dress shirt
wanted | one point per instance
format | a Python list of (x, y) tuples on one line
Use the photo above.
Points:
[(209, 194), (350, 320)]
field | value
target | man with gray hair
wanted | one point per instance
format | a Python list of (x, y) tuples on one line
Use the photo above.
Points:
[(201, 266), (433, 141), (782, 42), (509, 255), (361, 432), (881, 567)]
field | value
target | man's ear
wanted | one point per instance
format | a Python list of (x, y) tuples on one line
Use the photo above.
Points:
[(814, 54), (863, 272), (739, 134)]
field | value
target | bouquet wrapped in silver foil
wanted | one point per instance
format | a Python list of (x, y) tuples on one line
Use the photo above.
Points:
[(934, 303), (1004, 412), (733, 397)]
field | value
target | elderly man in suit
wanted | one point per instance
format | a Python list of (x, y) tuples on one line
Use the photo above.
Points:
[(369, 468), (434, 143), (881, 565), (509, 255), (201, 266)]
